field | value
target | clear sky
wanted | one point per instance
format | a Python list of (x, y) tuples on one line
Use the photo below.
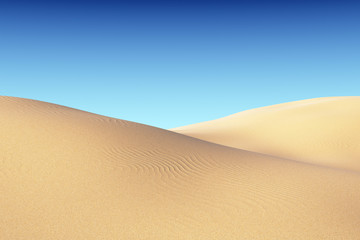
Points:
[(173, 63)]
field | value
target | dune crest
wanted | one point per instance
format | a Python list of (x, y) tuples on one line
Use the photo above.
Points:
[(70, 174), (323, 131)]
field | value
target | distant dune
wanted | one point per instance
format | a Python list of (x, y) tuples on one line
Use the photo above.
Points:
[(322, 131), (70, 174)]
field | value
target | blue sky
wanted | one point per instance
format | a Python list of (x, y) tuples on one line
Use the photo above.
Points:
[(173, 63)]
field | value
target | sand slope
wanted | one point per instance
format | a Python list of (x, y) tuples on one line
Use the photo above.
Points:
[(69, 174), (322, 131)]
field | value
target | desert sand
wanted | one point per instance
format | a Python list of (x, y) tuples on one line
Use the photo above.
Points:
[(324, 131), (70, 174)]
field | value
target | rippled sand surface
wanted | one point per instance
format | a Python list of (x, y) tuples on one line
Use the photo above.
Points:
[(70, 174)]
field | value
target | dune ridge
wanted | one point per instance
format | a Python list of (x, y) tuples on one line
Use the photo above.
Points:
[(324, 131), (70, 174)]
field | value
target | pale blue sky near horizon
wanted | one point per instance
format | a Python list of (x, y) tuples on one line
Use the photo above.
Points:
[(170, 66)]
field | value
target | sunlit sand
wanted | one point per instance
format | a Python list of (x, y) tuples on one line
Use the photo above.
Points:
[(70, 174)]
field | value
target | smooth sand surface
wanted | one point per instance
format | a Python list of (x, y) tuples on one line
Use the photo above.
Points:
[(323, 131), (70, 174)]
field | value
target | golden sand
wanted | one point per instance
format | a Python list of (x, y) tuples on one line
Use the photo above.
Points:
[(70, 174), (324, 131)]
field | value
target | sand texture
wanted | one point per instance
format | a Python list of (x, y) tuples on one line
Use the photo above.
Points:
[(70, 174), (324, 131)]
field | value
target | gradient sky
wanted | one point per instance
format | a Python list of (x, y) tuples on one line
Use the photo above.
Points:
[(173, 63)]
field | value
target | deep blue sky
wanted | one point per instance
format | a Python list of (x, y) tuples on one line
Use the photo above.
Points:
[(173, 63)]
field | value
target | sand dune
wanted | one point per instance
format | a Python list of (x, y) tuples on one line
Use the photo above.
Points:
[(70, 174), (322, 131)]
